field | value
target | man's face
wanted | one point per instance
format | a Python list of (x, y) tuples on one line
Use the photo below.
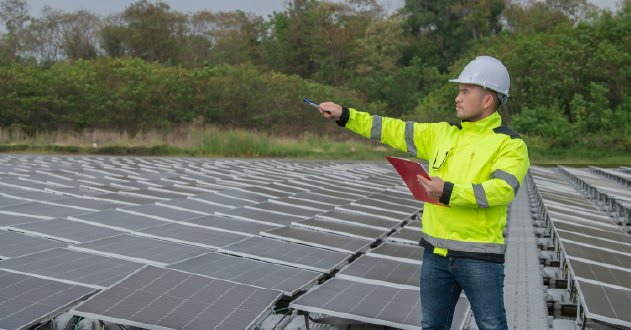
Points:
[(469, 103)]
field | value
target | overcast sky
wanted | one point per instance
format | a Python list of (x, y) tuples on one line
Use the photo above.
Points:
[(260, 7)]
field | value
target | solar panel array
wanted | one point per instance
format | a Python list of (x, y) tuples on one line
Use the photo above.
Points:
[(254, 230), (593, 251)]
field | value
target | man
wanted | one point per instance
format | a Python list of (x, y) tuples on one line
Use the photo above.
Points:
[(476, 168)]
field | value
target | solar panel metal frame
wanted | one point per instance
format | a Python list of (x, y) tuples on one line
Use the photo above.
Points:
[(7, 265), (234, 249), (608, 273), (303, 204), (238, 213), (342, 217), (77, 310), (583, 286), (159, 212), (179, 204), (292, 234), (230, 222), (65, 211), (356, 271), (27, 244), (159, 233), (83, 292), (387, 215), (404, 236), (89, 219), (38, 229), (379, 205), (391, 250), (335, 227), (259, 267), (220, 200), (284, 209), (115, 254), (340, 285)]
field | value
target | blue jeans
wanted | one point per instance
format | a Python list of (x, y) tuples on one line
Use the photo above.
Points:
[(444, 278)]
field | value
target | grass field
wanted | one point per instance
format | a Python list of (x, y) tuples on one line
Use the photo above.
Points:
[(215, 142)]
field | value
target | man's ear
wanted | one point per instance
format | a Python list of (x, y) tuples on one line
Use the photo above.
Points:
[(488, 100)]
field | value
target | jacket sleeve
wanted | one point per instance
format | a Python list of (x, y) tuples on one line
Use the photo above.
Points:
[(507, 175), (413, 138)]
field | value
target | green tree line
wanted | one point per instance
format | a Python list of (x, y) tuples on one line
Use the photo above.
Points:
[(149, 65)]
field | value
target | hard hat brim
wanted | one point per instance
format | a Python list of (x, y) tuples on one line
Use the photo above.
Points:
[(478, 84)]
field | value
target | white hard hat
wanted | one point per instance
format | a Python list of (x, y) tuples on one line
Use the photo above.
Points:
[(488, 72)]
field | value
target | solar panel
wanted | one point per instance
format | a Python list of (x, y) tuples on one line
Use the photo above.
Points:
[(126, 199), (406, 236), (343, 229), (160, 212), (10, 220), (85, 204), (598, 274), (140, 249), (318, 239), (284, 209), (245, 271), (341, 192), (286, 253), (214, 198), (191, 235), (383, 271), (597, 256), (387, 215), (375, 304), (605, 303), (117, 220), (596, 243), (14, 244), (617, 236), (304, 204), (101, 190), (358, 220), (269, 193), (64, 230), (31, 196), (153, 194), (72, 267), (270, 218), (322, 199), (379, 205), (245, 195), (249, 228), (414, 225), (165, 299), (190, 205), (397, 201), (25, 300), (400, 252), (41, 210)]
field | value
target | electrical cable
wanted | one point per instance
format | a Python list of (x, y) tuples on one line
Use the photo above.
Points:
[(270, 313), (50, 319), (281, 320), (121, 326), (77, 325)]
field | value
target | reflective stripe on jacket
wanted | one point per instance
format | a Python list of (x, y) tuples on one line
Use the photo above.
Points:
[(483, 165)]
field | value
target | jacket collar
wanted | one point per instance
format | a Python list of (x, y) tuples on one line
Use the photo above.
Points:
[(483, 125)]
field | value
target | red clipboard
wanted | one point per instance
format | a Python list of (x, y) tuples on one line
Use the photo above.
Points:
[(408, 170)]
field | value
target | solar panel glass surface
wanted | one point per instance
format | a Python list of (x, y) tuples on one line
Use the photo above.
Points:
[(167, 299)]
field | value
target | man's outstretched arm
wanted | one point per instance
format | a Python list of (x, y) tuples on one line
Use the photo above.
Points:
[(413, 138)]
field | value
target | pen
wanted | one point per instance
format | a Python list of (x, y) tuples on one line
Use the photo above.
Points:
[(315, 105)]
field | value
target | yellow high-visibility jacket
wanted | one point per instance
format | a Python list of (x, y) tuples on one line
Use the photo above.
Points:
[(483, 165)]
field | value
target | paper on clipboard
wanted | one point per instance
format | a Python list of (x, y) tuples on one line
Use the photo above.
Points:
[(408, 170)]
